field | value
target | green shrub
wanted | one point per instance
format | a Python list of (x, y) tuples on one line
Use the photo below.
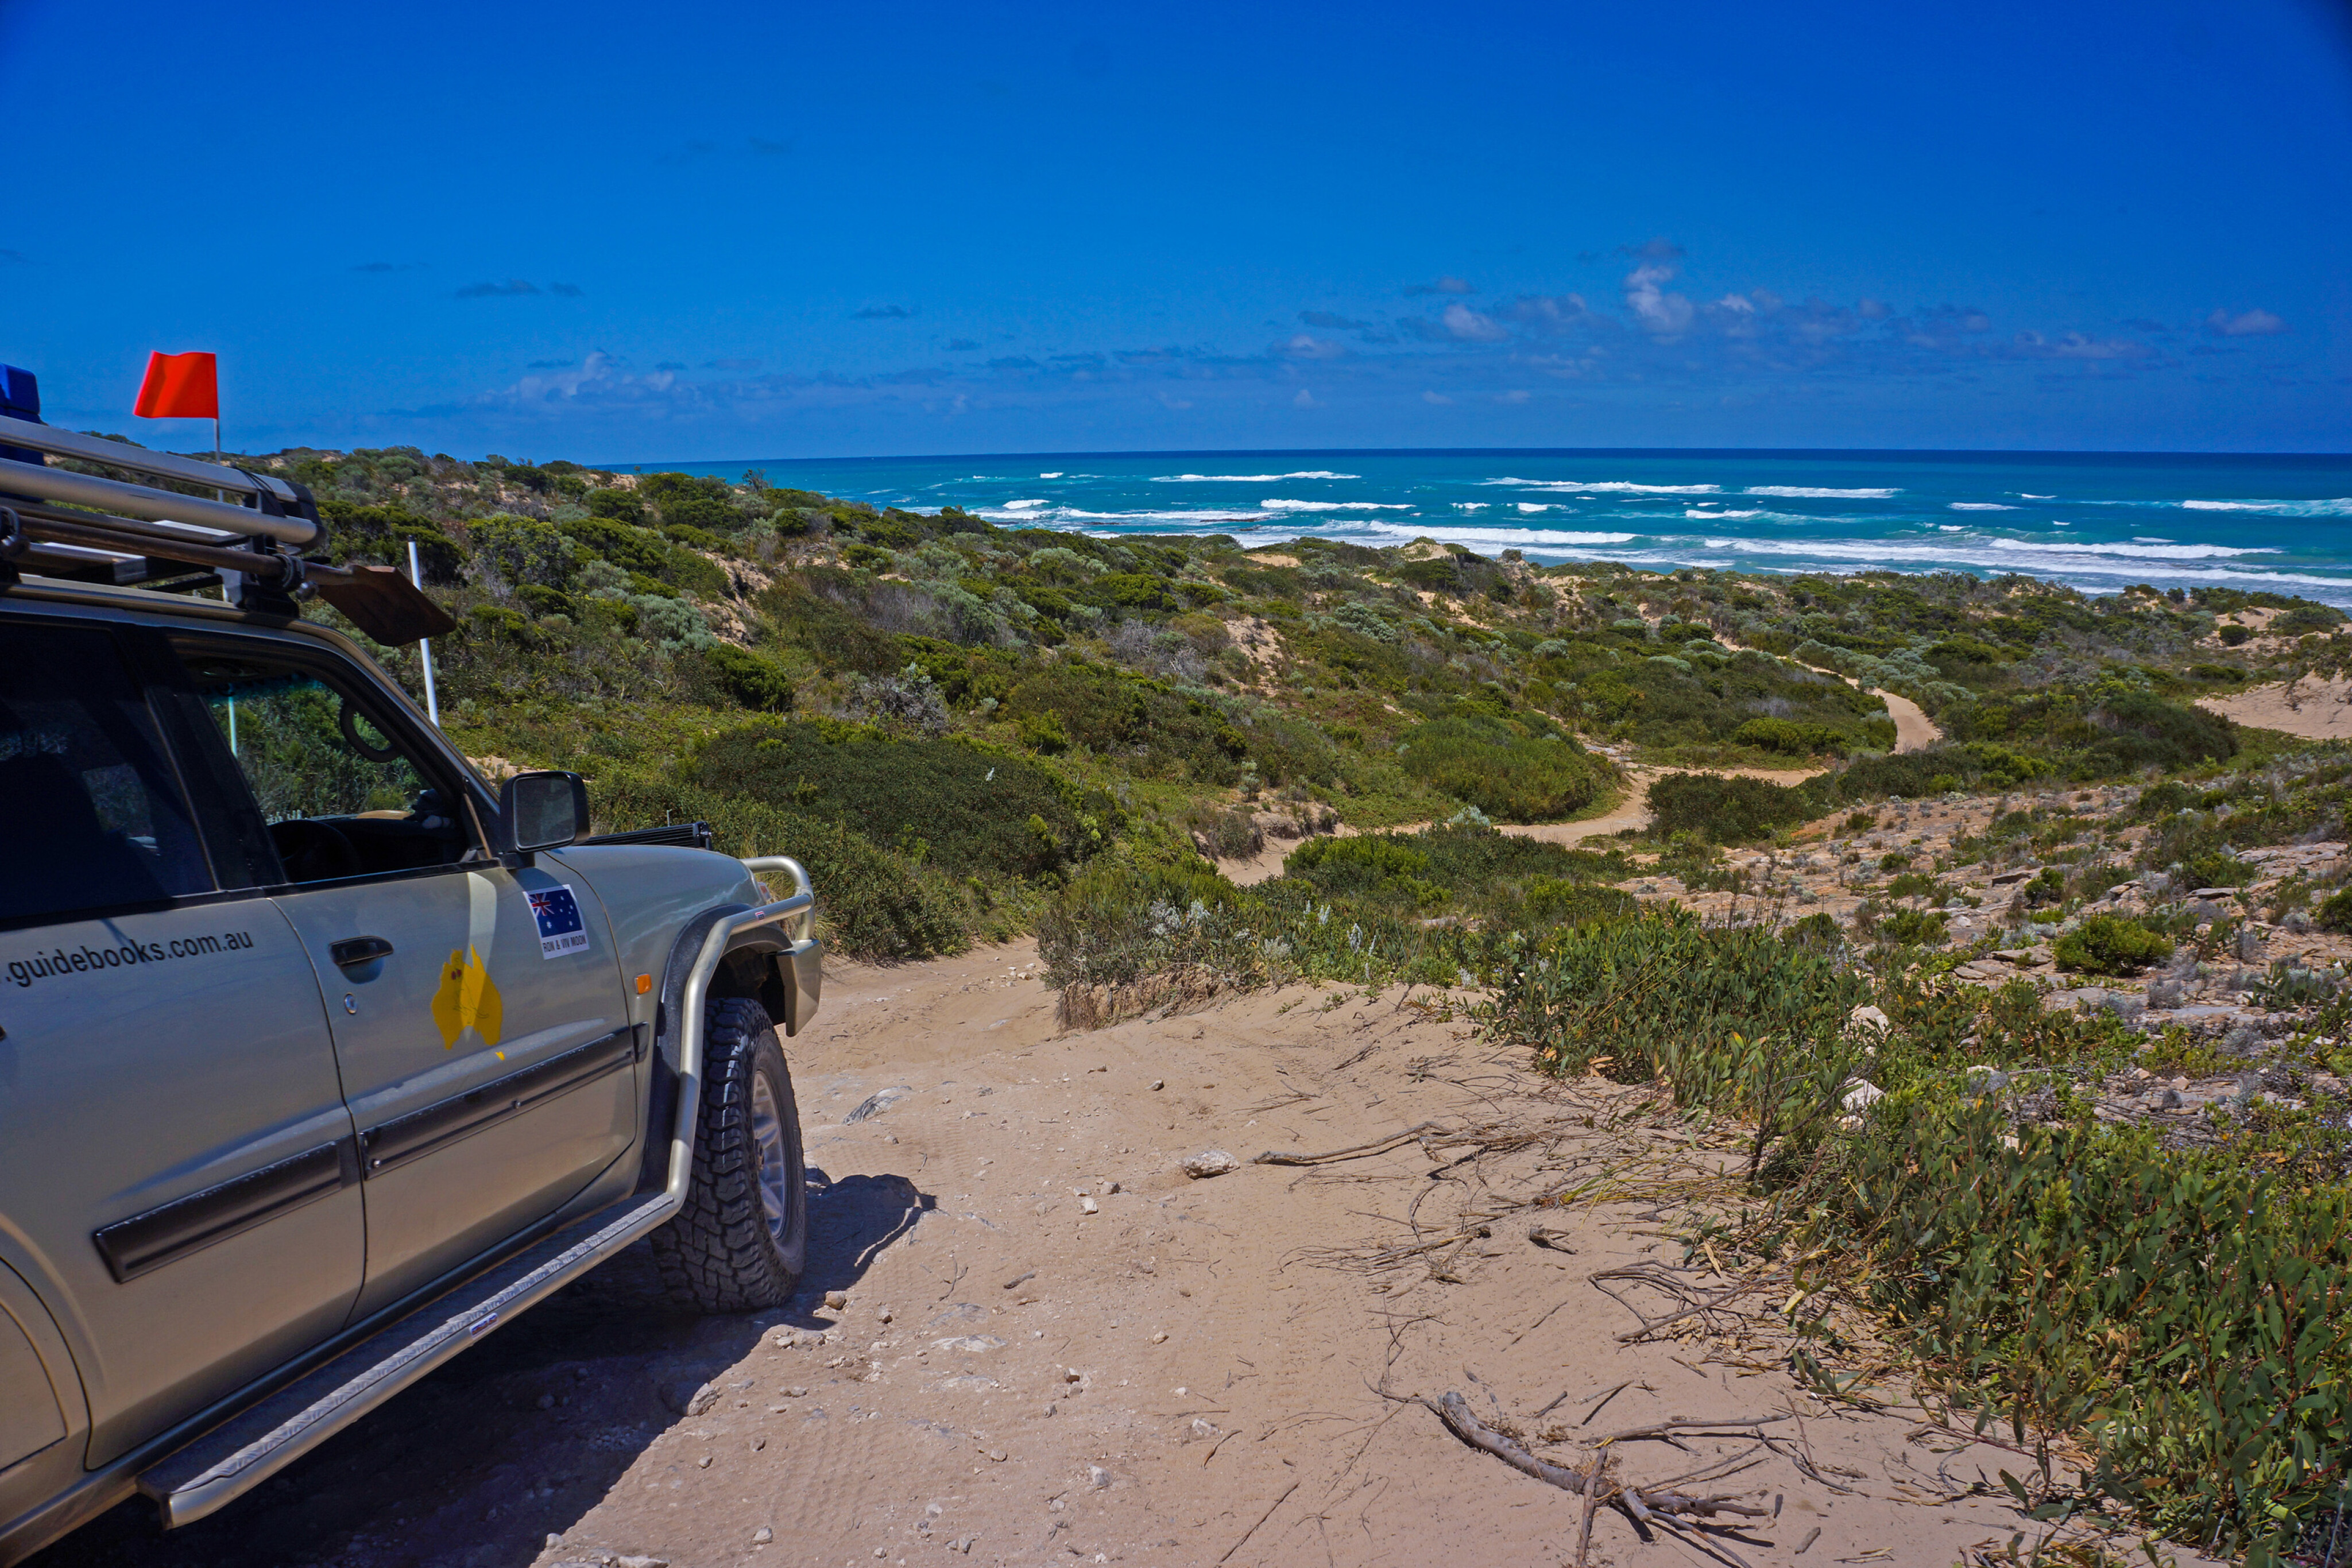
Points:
[(2334, 912), (2307, 618), (2234, 635), (1384, 867), (524, 550), (2183, 1312), (1912, 927), (1788, 736), (1147, 724), (2110, 944), (756, 683), (2145, 729), (872, 903), (1724, 809), (383, 535), (942, 800), (823, 612), (1659, 994), (1228, 834), (1496, 766), (1553, 901)]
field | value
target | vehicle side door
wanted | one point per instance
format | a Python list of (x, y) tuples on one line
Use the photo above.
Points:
[(178, 1174), (479, 1023)]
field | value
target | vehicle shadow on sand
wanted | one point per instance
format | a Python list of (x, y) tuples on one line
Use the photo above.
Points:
[(518, 1438)]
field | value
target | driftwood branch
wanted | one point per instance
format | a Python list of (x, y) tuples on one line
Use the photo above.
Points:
[(1454, 1411), (1378, 1146), (1685, 1424)]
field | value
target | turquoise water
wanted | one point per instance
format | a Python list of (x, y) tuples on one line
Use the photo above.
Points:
[(2099, 521)]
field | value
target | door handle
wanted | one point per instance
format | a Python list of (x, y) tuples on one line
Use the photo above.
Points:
[(352, 951)]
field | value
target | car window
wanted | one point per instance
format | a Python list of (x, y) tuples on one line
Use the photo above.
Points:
[(96, 816), (342, 797)]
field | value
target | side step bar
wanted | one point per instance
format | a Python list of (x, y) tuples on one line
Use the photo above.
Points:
[(231, 1459)]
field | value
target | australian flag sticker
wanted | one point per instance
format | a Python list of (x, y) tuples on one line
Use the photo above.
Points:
[(561, 929)]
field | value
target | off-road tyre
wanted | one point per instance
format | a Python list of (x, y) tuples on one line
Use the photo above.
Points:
[(726, 1250)]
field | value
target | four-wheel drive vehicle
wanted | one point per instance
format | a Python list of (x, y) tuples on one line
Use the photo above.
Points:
[(319, 1059)]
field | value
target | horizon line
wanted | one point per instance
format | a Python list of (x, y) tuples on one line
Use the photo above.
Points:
[(1963, 452)]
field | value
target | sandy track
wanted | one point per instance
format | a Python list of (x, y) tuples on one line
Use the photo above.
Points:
[(1222, 1408)]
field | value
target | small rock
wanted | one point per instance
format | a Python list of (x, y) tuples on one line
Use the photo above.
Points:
[(1159, 1083), (794, 1393), (703, 1463), (1209, 1163), (546, 1402), (968, 1344), (1868, 1016), (1160, 1338), (1984, 1079), (883, 1314), (1859, 1096), (836, 1300), (881, 1100), (1203, 1428), (996, 1456), (2165, 1098), (761, 1536), (642, 1562), (1097, 1478), (1111, 1186), (1088, 1206), (689, 1398), (1048, 1410)]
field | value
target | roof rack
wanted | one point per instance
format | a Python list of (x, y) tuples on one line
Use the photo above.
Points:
[(246, 538)]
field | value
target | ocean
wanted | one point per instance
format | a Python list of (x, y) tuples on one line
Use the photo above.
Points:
[(2099, 521)]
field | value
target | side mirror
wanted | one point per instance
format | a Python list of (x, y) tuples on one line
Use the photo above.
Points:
[(544, 810)]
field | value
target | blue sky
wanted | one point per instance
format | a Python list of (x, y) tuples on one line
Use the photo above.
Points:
[(627, 233)]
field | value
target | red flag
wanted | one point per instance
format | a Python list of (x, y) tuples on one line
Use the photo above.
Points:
[(179, 386)]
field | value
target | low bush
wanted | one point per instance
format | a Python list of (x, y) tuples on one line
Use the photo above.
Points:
[(1226, 834), (1385, 867), (2109, 945), (1739, 1019), (1912, 927), (1497, 766), (872, 902), (1788, 736), (1130, 932), (968, 808), (2183, 1312), (1724, 810), (758, 684)]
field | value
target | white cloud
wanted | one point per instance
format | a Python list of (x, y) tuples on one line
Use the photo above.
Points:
[(1305, 399), (1305, 347), (1471, 326), (1665, 315), (2255, 323), (1514, 395), (1440, 399)]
